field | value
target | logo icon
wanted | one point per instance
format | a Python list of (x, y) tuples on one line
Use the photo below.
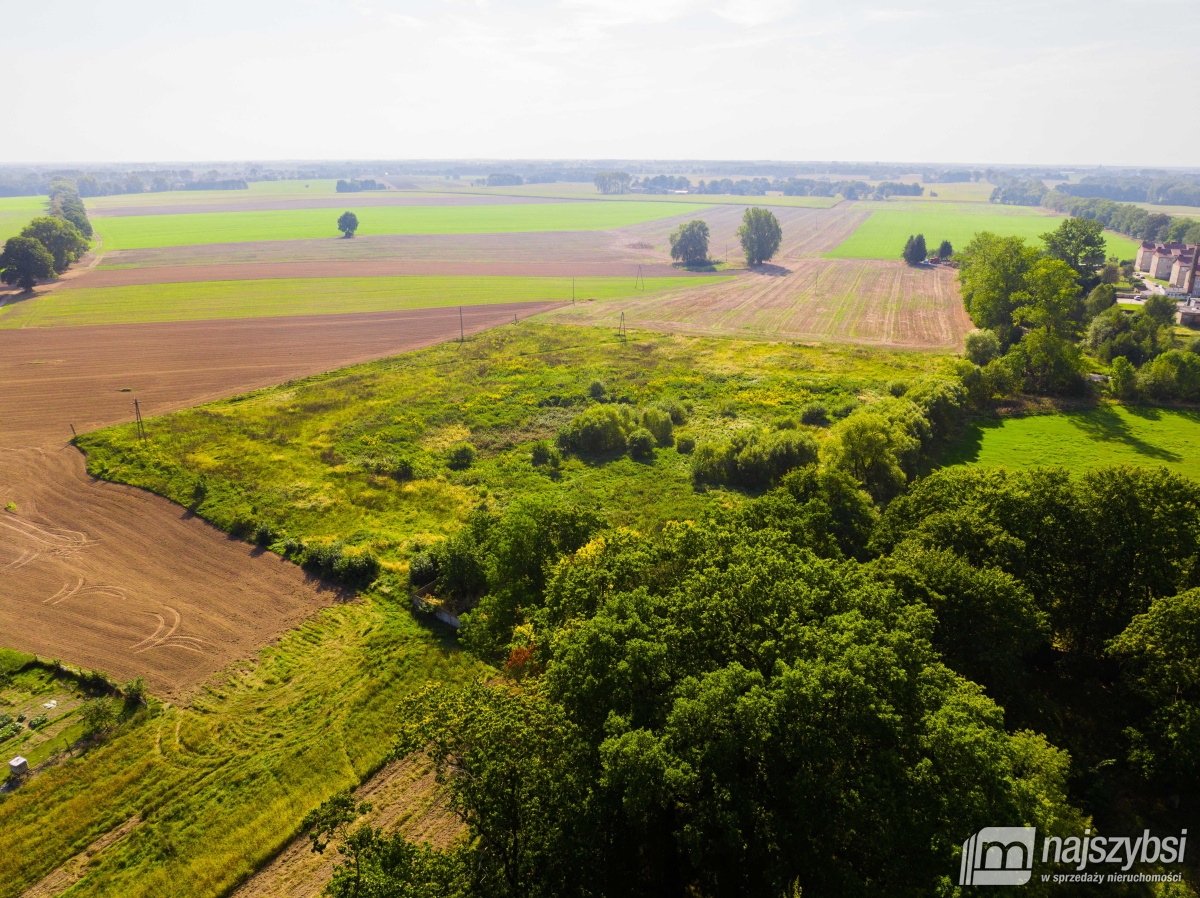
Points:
[(998, 856)]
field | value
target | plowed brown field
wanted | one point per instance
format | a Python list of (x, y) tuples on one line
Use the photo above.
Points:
[(252, 271), (853, 301), (108, 577), (112, 578)]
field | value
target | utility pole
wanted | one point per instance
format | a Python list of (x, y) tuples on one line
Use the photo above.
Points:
[(460, 325), (572, 289), (137, 413)]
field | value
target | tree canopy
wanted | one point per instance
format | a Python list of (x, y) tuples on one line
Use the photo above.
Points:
[(915, 251), (1079, 242), (60, 237), (24, 262), (689, 242), (760, 235), (347, 223), (609, 182)]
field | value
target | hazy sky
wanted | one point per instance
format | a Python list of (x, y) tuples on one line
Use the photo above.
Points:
[(1055, 81)]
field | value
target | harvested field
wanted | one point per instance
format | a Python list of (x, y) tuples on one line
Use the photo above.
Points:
[(546, 246), (211, 300), (56, 377), (112, 578), (876, 303), (137, 232), (191, 274), (260, 203)]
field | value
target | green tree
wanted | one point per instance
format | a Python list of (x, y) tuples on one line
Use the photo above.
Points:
[(347, 223), (992, 270), (868, 446), (1102, 298), (60, 237), (610, 182), (981, 346), (945, 250), (1123, 380), (689, 243), (1050, 299), (1079, 242), (760, 235), (24, 262), (97, 716), (915, 251)]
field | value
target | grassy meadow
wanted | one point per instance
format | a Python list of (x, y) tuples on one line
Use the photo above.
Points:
[(142, 231), (301, 457), (310, 296), (1085, 439), (16, 211), (883, 234)]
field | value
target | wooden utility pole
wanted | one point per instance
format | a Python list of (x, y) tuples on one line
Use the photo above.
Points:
[(137, 413), (572, 289), (639, 280), (460, 325), (621, 332)]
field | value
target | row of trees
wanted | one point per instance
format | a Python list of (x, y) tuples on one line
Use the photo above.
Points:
[(610, 182), (48, 244), (1127, 219), (1176, 190)]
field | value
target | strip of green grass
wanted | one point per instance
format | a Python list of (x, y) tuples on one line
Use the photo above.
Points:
[(311, 296), (1080, 440), (16, 211), (883, 234), (142, 231)]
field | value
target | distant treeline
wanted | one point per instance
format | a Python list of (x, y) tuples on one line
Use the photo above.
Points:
[(1020, 193), (66, 204), (1180, 190), (756, 186), (1124, 218), (353, 186)]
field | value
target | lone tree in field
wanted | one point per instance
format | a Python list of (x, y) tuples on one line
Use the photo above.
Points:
[(348, 224), (24, 262), (946, 250), (760, 234), (689, 243), (914, 250)]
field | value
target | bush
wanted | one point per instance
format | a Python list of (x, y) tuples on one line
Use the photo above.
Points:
[(786, 422), (751, 460), (389, 466), (599, 429), (596, 390), (981, 347), (814, 414), (728, 409), (264, 535), (37, 722), (540, 454), (135, 691), (843, 408), (461, 456), (97, 716), (685, 443), (659, 424), (335, 561), (897, 388), (675, 409), (641, 443), (422, 570)]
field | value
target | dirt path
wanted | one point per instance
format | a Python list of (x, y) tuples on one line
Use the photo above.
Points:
[(75, 869)]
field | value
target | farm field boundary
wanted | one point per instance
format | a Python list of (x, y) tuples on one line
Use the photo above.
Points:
[(211, 300), (138, 232)]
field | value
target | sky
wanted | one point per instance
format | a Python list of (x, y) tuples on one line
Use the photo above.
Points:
[(1054, 81)]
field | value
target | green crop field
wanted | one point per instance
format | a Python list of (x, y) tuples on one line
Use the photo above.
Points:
[(1081, 440), (141, 231), (575, 191), (16, 211), (311, 296), (882, 236)]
